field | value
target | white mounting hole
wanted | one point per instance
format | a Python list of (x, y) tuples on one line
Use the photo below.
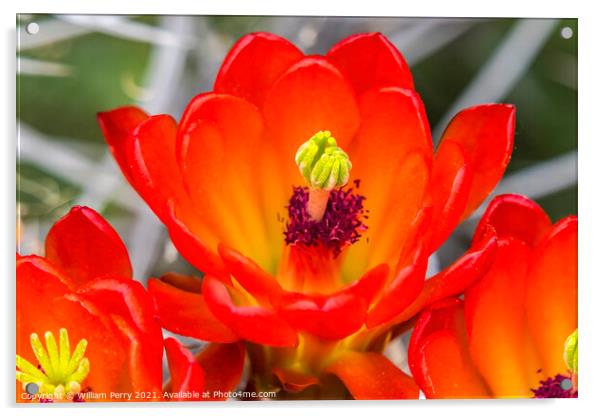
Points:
[(32, 28), (566, 32)]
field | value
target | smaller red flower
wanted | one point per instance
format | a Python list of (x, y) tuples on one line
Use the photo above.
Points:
[(506, 337), (87, 331)]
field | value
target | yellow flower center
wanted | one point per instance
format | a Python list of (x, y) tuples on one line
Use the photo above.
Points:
[(60, 372)]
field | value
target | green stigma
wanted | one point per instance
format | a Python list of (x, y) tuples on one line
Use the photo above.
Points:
[(60, 371), (322, 163), (570, 352)]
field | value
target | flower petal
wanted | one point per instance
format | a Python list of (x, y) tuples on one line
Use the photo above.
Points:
[(486, 135), (116, 126), (186, 313), (496, 324), (438, 354), (223, 365), (294, 381), (551, 302), (370, 376), (310, 96), (217, 152), (391, 157), (515, 216), (253, 65), (400, 292), (329, 317), (456, 278), (85, 246), (253, 323), (152, 156), (263, 286), (369, 60), (191, 247), (449, 188), (186, 375), (130, 306)]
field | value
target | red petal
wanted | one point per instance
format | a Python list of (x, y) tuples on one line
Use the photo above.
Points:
[(130, 306), (186, 313), (454, 280), (116, 126), (370, 376), (186, 374), (551, 301), (223, 365), (438, 354), (253, 65), (486, 135), (448, 192), (370, 284), (294, 381), (217, 152), (144, 357), (261, 285), (496, 324), (329, 317), (85, 246), (391, 156), (311, 96), (399, 293), (152, 154), (369, 60), (191, 247), (256, 324), (515, 216)]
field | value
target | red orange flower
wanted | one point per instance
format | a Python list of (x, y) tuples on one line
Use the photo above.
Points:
[(222, 178), (507, 336), (109, 341)]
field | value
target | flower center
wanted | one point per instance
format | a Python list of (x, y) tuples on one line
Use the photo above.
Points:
[(323, 213), (559, 386), (341, 225), (59, 372)]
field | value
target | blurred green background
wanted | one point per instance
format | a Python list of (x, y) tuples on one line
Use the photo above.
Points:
[(76, 66)]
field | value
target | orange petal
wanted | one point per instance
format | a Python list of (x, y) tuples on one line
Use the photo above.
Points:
[(253, 65), (369, 60), (186, 375), (294, 381), (256, 324), (370, 376), (551, 302), (486, 135), (186, 313), (264, 287), (217, 152), (116, 126), (85, 246), (223, 365), (310, 96), (329, 317), (517, 217), (456, 278), (131, 308), (448, 192), (438, 354), (191, 247), (496, 324), (399, 293), (391, 157)]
